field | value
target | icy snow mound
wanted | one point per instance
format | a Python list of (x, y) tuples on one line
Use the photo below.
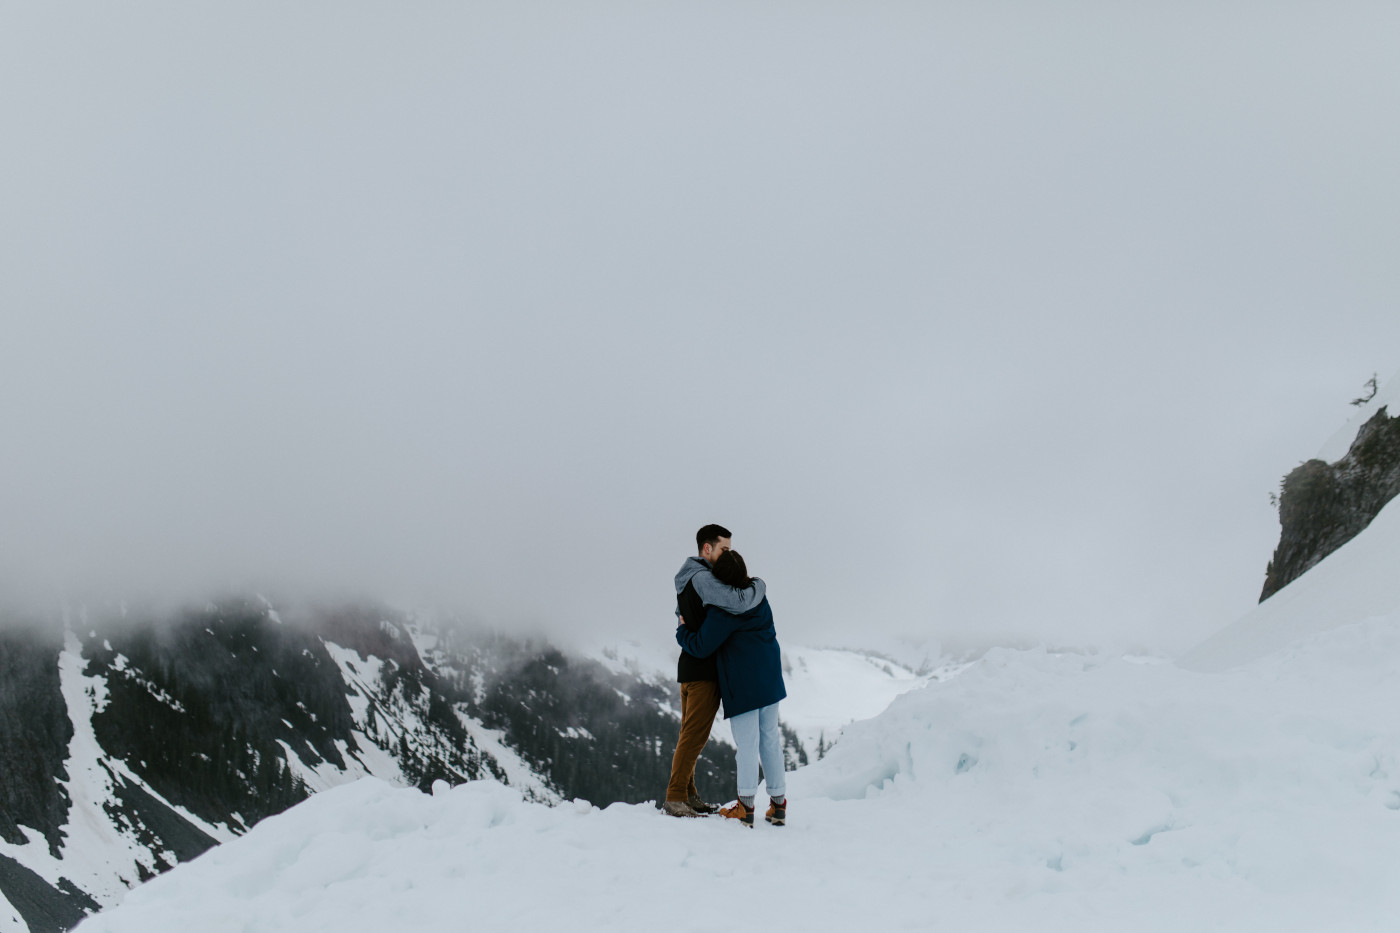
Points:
[(831, 687), (1124, 795), (1034, 791)]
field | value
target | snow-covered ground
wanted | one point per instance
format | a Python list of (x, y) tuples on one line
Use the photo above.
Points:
[(1033, 790)]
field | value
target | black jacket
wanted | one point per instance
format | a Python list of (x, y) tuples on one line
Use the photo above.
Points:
[(692, 612)]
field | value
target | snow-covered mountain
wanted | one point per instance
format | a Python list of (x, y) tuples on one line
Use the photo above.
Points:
[(128, 745), (135, 744), (1254, 786), (1030, 790)]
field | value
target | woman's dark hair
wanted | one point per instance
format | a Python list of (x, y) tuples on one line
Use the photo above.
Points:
[(729, 569)]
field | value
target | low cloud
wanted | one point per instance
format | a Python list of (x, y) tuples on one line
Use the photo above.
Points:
[(971, 327)]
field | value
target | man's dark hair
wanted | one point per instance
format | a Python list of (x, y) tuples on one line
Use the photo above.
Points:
[(709, 535), (729, 569)]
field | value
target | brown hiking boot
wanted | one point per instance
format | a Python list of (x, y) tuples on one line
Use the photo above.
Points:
[(739, 812), (777, 812), (700, 806), (677, 808)]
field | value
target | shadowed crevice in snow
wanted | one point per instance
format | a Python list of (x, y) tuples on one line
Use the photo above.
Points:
[(1146, 837)]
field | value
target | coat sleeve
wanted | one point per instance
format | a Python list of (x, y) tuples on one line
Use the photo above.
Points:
[(717, 627), (729, 598)]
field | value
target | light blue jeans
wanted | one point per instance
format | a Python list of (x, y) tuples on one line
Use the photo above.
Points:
[(756, 737)]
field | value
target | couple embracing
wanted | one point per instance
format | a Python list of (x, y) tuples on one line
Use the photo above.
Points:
[(730, 657)]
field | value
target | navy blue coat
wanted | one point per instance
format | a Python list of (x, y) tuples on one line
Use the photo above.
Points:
[(749, 659)]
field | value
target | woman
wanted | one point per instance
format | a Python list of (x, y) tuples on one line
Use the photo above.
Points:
[(750, 686)]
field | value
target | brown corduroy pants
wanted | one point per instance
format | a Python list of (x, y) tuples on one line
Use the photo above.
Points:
[(699, 703)]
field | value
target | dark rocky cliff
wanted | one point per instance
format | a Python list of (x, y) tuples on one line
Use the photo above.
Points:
[(1323, 506), (34, 735)]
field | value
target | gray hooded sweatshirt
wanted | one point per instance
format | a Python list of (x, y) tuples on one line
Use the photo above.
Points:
[(696, 573), (714, 593)]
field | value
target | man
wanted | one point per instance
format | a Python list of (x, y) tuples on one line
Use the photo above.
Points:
[(697, 589)]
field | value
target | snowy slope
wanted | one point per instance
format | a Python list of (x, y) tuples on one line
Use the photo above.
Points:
[(1031, 791), (1357, 582)]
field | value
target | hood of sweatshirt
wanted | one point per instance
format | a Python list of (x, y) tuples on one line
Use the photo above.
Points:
[(714, 593), (690, 568)]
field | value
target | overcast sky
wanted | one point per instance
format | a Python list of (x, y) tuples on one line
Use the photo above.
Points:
[(973, 321)]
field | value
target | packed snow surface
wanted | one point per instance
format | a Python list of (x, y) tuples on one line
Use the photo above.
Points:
[(1031, 791)]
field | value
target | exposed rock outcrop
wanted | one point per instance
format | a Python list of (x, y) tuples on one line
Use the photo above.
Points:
[(34, 735), (1323, 506)]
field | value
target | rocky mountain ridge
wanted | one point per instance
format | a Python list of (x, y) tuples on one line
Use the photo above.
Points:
[(1324, 505)]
